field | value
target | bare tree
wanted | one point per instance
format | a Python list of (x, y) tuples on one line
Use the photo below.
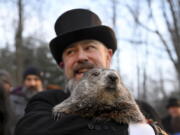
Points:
[(145, 77), (161, 87), (170, 13), (23, 14), (19, 42), (114, 13), (114, 6)]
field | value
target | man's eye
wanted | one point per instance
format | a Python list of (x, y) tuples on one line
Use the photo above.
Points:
[(68, 52), (90, 47)]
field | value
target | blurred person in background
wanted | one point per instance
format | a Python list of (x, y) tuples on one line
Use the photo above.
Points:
[(152, 117), (6, 81), (175, 122), (32, 84), (149, 112), (173, 108), (6, 114)]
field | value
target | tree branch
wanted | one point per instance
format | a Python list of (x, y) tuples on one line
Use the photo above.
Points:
[(175, 35), (170, 2), (166, 46)]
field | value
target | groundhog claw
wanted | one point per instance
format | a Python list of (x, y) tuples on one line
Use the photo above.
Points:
[(58, 115)]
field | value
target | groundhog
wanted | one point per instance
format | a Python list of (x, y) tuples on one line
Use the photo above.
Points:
[(100, 94)]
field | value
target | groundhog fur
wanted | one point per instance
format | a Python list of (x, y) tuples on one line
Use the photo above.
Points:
[(100, 94)]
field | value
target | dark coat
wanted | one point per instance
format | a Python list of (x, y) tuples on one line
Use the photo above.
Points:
[(38, 119), (19, 98), (166, 121), (18, 102)]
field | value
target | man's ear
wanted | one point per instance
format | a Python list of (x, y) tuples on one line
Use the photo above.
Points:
[(109, 56), (61, 65)]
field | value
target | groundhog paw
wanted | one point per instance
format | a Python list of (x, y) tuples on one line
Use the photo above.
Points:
[(59, 111), (58, 115)]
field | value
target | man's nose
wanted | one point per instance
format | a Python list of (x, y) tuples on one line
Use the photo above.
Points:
[(82, 56), (32, 83)]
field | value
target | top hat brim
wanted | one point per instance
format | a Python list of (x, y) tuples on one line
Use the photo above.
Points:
[(101, 33)]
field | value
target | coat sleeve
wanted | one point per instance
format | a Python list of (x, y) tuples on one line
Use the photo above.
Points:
[(38, 118)]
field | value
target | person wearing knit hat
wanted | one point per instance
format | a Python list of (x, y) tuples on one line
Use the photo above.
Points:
[(33, 79), (31, 85)]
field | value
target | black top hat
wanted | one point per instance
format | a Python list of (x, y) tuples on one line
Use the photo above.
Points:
[(79, 24)]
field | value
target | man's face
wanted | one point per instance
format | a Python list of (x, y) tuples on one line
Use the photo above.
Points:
[(174, 111), (81, 56), (33, 82)]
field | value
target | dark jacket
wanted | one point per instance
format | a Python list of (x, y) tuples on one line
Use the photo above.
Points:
[(38, 119), (19, 98), (166, 121), (18, 102)]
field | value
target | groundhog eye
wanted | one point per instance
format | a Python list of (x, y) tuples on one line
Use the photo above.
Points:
[(95, 73)]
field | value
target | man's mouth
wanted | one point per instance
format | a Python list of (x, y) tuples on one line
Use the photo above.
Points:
[(80, 72), (81, 68), (32, 88)]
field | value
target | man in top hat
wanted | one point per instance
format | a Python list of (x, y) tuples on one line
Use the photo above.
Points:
[(82, 43)]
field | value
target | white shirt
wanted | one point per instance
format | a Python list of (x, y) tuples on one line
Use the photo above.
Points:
[(140, 129)]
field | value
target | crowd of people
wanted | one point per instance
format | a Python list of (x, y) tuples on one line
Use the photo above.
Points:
[(15, 99), (82, 43)]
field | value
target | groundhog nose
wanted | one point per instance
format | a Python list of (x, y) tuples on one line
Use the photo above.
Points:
[(112, 78)]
